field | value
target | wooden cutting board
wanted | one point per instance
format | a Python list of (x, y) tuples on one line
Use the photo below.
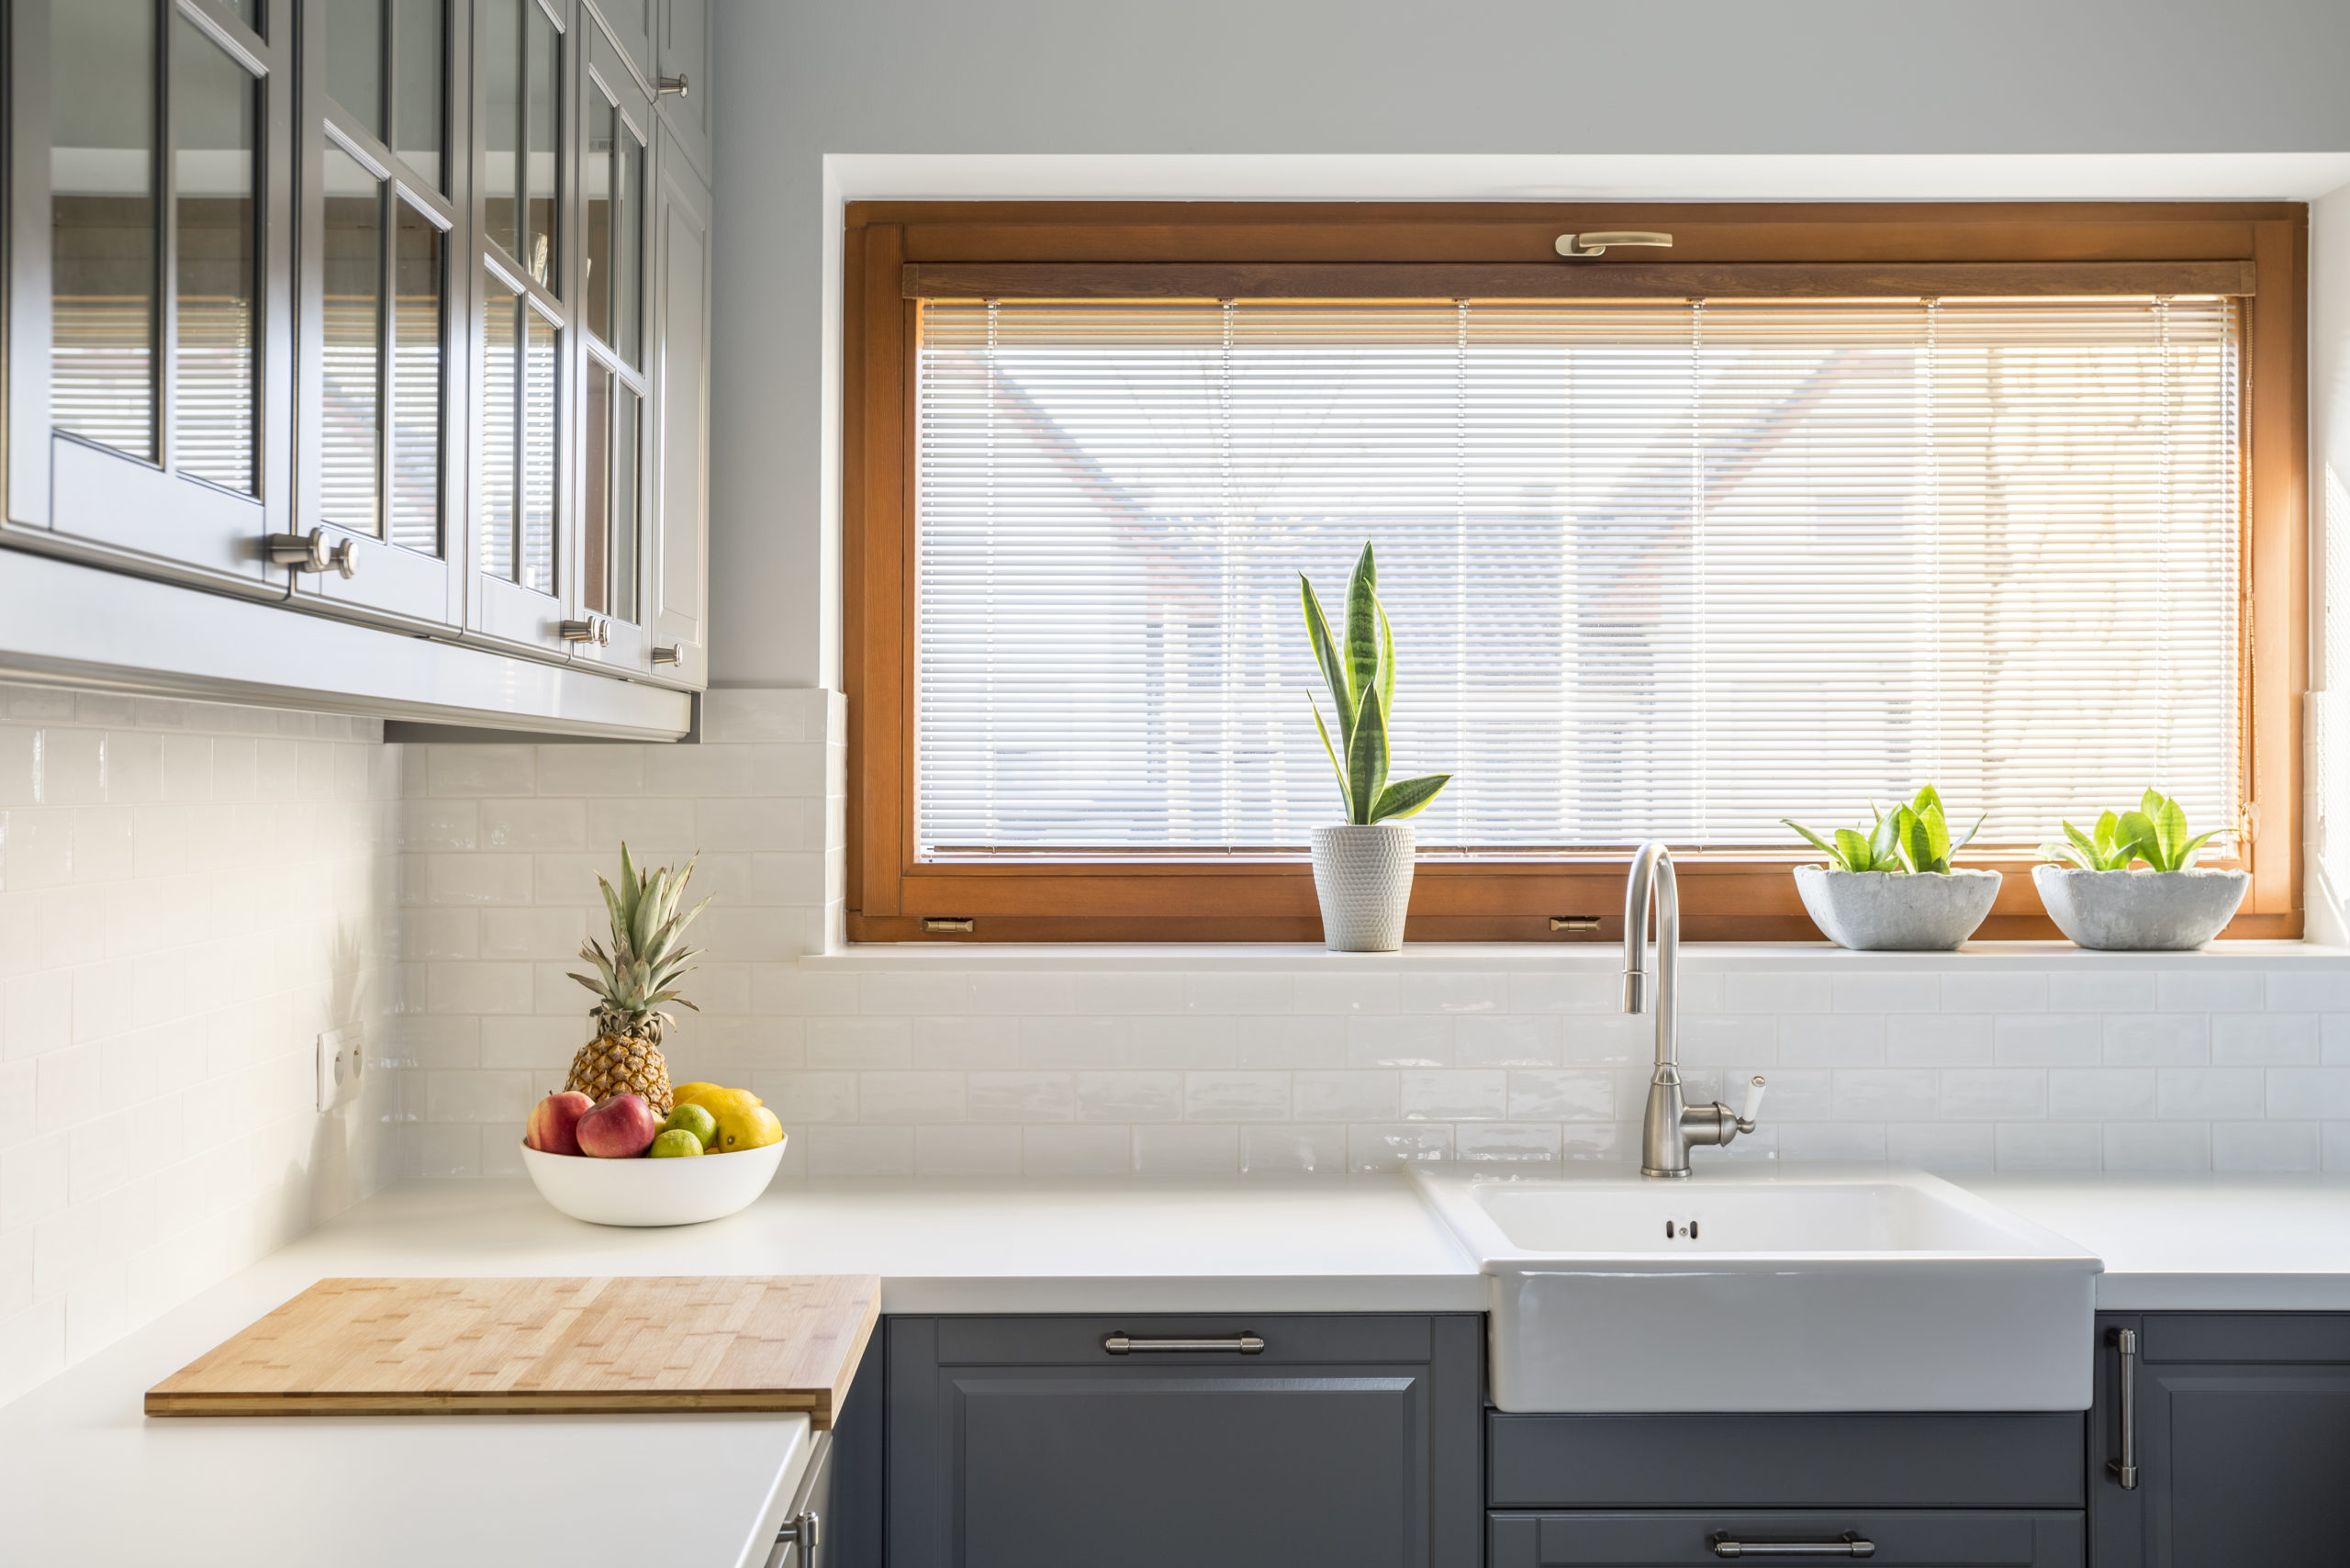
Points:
[(540, 1347)]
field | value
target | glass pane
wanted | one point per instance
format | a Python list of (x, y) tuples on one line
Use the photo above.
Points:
[(417, 283), (420, 73), (249, 13), (214, 104), (500, 384), (627, 432), (351, 418), (594, 432), (541, 176), (595, 176), (103, 223), (502, 68), (628, 245), (355, 30), (538, 452)]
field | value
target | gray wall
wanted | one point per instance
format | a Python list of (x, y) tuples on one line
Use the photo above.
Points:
[(797, 79)]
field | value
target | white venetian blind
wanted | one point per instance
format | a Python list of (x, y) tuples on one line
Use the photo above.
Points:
[(1670, 569)]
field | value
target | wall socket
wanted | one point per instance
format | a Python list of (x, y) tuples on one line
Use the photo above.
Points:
[(339, 1058)]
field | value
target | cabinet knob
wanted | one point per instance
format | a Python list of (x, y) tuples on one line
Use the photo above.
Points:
[(681, 84), (668, 656), (592, 630), (308, 553)]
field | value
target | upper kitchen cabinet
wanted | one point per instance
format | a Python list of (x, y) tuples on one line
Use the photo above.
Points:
[(380, 409), (355, 310), (682, 53), (149, 344)]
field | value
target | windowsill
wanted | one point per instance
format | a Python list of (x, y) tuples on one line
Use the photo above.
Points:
[(1510, 957)]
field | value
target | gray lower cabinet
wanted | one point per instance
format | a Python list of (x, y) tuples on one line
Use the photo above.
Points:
[(1344, 1442), (1910, 1489), (2239, 1429)]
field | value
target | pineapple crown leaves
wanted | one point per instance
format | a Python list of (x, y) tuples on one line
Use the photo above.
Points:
[(1361, 673), (648, 954), (1914, 839)]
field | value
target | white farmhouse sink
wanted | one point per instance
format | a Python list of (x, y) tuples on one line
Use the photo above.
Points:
[(1753, 1287)]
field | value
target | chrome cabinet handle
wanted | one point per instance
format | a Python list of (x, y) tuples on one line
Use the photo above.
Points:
[(798, 1530), (1121, 1344), (308, 553), (668, 655), (592, 630), (1851, 1543), (2125, 1468)]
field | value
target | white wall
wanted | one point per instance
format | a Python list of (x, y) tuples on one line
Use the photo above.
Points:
[(2326, 784), (800, 79), (189, 894)]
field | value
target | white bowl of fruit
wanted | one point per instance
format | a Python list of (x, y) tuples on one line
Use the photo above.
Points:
[(614, 1161)]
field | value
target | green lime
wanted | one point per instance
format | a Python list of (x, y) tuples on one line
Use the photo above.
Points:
[(675, 1144), (695, 1120)]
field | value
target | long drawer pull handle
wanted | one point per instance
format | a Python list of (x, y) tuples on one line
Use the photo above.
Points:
[(2125, 1468), (1122, 1344), (1851, 1543)]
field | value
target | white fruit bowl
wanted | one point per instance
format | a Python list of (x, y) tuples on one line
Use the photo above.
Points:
[(653, 1191)]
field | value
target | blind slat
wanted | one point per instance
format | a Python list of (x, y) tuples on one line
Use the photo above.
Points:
[(1667, 568)]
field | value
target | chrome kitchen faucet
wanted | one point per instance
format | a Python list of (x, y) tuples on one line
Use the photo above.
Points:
[(1670, 1125)]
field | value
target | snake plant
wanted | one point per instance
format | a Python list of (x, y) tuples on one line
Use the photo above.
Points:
[(1361, 672), (1914, 840), (2154, 833)]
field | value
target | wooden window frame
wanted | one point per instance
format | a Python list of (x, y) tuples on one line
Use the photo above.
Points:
[(894, 251)]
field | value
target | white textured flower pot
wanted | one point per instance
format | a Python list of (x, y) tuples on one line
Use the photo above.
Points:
[(2140, 911), (1893, 911), (1363, 877)]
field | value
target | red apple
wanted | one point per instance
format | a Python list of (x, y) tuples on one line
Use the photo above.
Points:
[(619, 1128), (553, 1127)]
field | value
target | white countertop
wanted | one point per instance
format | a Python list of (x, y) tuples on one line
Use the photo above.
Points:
[(86, 1477), (2197, 1243)]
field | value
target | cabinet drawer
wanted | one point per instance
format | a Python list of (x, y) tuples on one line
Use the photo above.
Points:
[(1909, 1538), (2306, 1338), (2025, 1461), (1078, 1341)]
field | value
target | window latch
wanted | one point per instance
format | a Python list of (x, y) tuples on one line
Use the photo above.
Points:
[(1597, 244)]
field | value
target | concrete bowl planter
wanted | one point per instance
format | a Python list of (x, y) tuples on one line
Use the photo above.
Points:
[(1363, 877), (2140, 911), (1897, 911)]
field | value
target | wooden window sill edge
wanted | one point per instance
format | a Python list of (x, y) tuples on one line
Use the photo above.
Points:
[(1576, 956)]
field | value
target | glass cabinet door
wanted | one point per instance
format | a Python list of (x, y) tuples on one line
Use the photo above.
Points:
[(380, 411), (616, 124), (525, 562), (153, 366)]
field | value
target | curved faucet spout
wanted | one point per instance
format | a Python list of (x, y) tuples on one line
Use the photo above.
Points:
[(1651, 884), (1671, 1124)]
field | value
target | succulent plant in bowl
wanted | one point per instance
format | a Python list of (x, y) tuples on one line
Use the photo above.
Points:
[(1893, 886), (2095, 898)]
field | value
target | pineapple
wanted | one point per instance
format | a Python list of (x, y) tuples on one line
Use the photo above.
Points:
[(632, 981)]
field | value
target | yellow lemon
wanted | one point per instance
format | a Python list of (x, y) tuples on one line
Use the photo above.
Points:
[(711, 1097), (746, 1127)]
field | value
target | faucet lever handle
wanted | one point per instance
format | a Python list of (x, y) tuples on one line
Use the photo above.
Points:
[(1754, 1103)]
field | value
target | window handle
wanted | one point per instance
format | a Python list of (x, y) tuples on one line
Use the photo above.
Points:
[(1597, 244)]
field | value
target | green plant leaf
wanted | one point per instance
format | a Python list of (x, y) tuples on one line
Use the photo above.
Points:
[(1366, 759), (1915, 839), (1819, 843), (1327, 750), (1386, 661), (2109, 831), (2137, 828), (1937, 831), (1852, 851), (2065, 854), (2093, 847), (1963, 842), (1927, 800), (1362, 630), (1881, 837), (2151, 802), (1326, 654), (2170, 825), (1407, 797)]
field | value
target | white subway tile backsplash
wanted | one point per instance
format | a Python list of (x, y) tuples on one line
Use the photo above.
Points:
[(1993, 1094), (1833, 1040), (1237, 1096), (2157, 1039), (1346, 1096), (2053, 1039), (1565, 1095), (1487, 1042), (2202, 1094), (1995, 992), (1889, 1094), (1076, 1151), (1187, 1149), (2264, 1039), (2102, 1093), (1453, 1096), (1292, 1148), (2157, 1146), (2049, 1146), (1404, 1041), (2265, 1146)]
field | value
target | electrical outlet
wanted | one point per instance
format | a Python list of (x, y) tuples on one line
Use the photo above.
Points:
[(339, 1059)]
